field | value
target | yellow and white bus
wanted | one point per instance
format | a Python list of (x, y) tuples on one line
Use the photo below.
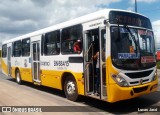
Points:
[(126, 46)]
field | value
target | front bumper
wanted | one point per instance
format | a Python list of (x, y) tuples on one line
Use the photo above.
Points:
[(117, 93)]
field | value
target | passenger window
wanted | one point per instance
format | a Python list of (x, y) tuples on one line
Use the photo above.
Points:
[(52, 41), (26, 47), (4, 50), (17, 47), (71, 39)]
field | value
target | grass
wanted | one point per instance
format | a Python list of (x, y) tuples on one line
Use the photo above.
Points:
[(158, 64)]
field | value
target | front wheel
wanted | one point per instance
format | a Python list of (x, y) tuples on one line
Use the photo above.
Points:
[(18, 77), (70, 89)]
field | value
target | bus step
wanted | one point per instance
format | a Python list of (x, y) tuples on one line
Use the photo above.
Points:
[(37, 83), (94, 96), (104, 90), (9, 75)]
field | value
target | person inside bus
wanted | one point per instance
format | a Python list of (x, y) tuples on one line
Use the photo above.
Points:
[(76, 47), (97, 78)]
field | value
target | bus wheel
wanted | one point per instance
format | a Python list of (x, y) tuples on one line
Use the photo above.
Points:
[(18, 77), (70, 89)]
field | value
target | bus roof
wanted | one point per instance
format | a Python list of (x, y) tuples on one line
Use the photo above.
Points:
[(89, 17)]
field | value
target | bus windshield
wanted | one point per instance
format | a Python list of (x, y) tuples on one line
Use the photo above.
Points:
[(132, 48)]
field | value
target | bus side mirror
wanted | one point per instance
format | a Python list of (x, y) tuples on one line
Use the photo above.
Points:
[(105, 22)]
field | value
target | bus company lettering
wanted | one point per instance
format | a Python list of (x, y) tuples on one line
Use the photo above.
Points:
[(61, 63), (95, 24), (45, 63)]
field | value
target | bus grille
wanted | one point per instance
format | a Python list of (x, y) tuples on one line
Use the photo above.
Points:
[(135, 82), (139, 74), (137, 90)]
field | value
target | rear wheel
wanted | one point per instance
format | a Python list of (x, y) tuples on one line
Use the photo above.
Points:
[(18, 77), (70, 89)]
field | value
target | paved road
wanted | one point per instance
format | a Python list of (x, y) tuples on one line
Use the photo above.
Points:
[(12, 94)]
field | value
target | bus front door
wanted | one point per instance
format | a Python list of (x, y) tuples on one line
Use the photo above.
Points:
[(36, 61), (102, 62), (88, 63), (9, 60), (94, 41)]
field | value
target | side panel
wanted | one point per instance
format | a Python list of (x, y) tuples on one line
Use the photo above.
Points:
[(26, 72), (4, 65), (53, 68)]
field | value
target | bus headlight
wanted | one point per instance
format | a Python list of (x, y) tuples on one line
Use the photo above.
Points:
[(154, 76), (120, 80)]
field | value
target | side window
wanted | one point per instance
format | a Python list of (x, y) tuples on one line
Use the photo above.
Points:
[(4, 50), (17, 48), (71, 39), (26, 47), (52, 43)]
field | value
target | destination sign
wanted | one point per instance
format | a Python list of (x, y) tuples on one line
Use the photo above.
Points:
[(126, 18), (128, 56)]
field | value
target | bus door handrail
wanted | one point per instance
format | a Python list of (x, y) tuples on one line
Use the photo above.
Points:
[(91, 60)]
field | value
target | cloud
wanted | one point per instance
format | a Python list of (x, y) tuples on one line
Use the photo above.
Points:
[(144, 1), (156, 28), (41, 3), (19, 17)]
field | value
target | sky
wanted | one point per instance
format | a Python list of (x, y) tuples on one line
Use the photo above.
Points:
[(18, 17)]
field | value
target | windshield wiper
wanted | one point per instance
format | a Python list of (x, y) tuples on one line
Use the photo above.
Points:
[(133, 37)]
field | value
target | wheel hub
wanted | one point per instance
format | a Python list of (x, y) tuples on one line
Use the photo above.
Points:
[(70, 87)]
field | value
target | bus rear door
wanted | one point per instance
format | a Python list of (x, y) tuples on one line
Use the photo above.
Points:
[(36, 62)]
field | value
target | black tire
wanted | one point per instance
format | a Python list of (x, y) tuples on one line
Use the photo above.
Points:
[(70, 89), (18, 77)]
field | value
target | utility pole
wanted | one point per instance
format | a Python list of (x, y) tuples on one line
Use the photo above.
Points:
[(135, 5)]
